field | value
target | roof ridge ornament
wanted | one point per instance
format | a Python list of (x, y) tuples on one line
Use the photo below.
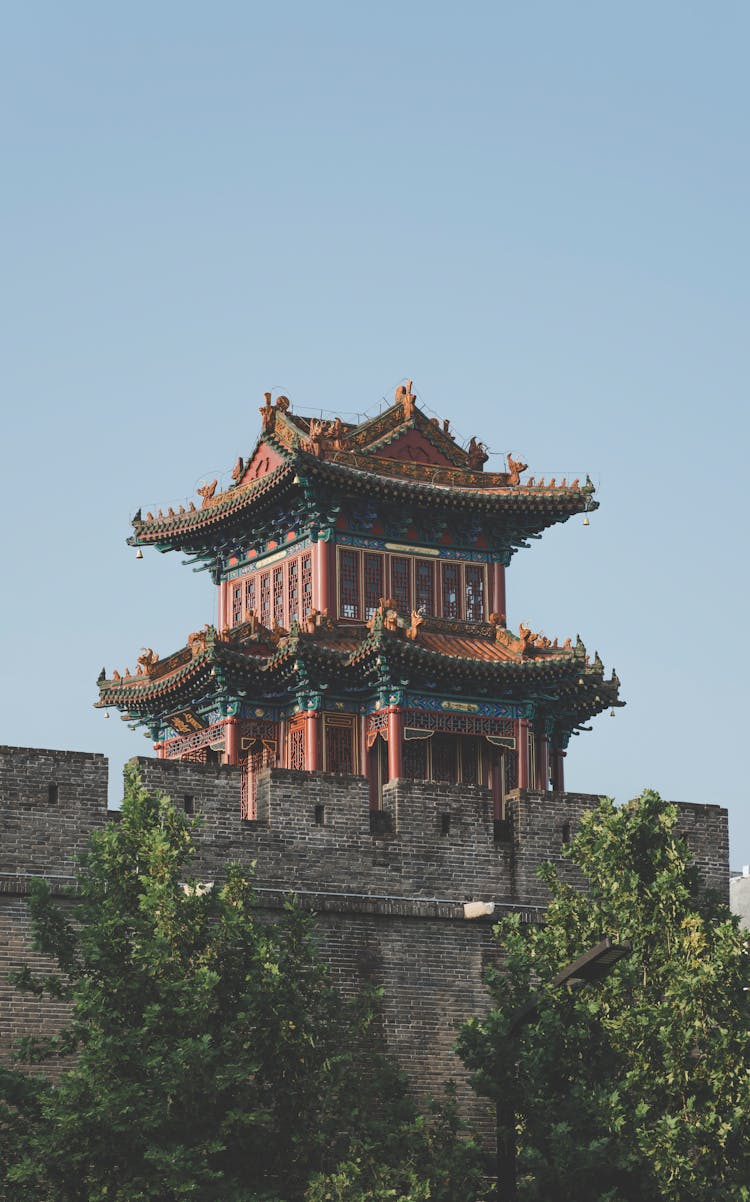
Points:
[(207, 491), (515, 467), (476, 454), (269, 410), (406, 398)]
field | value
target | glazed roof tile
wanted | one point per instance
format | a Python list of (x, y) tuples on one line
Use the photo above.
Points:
[(353, 458), (263, 661)]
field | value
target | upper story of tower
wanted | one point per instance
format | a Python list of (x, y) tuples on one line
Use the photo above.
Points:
[(406, 514)]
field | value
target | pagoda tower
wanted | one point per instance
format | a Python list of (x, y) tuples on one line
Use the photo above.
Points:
[(361, 629)]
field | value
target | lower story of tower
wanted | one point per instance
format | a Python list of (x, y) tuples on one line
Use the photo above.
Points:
[(418, 738)]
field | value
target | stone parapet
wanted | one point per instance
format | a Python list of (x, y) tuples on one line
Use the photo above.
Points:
[(389, 891)]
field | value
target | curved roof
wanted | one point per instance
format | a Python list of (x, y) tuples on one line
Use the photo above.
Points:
[(400, 455), (252, 662)]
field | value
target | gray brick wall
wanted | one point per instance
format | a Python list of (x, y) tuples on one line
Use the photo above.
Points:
[(389, 904), (50, 803)]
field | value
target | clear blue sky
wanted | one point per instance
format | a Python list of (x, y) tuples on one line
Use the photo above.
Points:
[(538, 212)]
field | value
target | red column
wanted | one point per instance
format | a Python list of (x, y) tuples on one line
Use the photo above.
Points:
[(542, 753), (282, 737), (222, 615), (523, 753), (161, 751), (498, 591), (231, 748), (362, 744), (322, 578), (395, 743), (313, 750)]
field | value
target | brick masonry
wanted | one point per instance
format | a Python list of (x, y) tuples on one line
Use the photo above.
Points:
[(390, 903)]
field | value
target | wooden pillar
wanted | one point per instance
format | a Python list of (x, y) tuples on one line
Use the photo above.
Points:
[(542, 762), (497, 604), (231, 748), (281, 734), (161, 751), (362, 743), (523, 753), (322, 577), (313, 748), (558, 770), (222, 617), (395, 743)]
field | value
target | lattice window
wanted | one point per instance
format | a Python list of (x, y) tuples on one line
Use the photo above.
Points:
[(249, 596), (377, 720), (306, 585), (424, 577), (349, 606), (339, 746), (293, 590), (256, 728), (278, 596), (183, 745), (451, 577), (297, 747), (469, 760), (265, 599), (474, 593), (401, 582), (195, 757), (444, 755), (414, 759), (374, 582), (236, 604), (460, 724)]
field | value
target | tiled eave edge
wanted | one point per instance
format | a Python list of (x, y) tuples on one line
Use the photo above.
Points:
[(549, 505), (227, 506)]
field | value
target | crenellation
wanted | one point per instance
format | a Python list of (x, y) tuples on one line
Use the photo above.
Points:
[(389, 897)]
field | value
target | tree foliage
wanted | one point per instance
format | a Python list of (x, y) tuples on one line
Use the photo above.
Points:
[(635, 1088), (207, 1055)]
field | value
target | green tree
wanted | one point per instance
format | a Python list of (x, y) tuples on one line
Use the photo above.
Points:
[(636, 1088), (210, 1058)]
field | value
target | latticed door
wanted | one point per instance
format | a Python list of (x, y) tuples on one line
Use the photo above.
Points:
[(306, 585), (265, 598), (278, 596), (236, 604), (296, 745), (469, 760), (414, 759), (374, 582), (401, 582), (424, 581), (450, 590), (444, 757), (503, 776), (293, 590), (474, 593), (338, 750), (349, 591)]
